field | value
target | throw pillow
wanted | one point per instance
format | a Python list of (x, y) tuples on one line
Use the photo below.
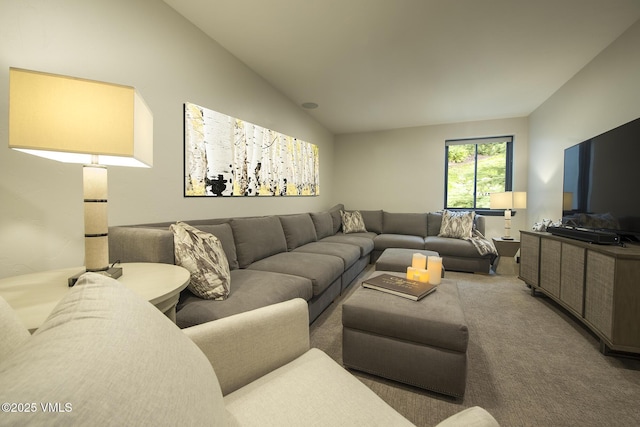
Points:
[(202, 254), (457, 225), (352, 222)]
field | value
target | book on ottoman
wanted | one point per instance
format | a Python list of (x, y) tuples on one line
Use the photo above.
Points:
[(411, 289)]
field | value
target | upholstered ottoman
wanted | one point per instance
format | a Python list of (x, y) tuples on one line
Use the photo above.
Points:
[(398, 259), (421, 343)]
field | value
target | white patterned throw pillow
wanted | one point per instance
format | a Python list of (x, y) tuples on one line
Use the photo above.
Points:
[(457, 224), (352, 222), (201, 253)]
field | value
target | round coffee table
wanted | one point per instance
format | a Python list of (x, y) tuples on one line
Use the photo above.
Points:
[(33, 296)]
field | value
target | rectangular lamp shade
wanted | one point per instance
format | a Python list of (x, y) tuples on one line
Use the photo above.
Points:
[(508, 200), (71, 119)]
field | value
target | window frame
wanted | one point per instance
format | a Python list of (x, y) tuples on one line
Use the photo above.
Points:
[(508, 182)]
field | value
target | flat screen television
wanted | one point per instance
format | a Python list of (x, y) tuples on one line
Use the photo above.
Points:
[(601, 186)]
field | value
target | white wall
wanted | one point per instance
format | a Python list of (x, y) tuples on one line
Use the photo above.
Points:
[(603, 95), (403, 170), (141, 43)]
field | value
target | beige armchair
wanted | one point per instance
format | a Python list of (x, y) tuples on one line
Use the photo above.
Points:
[(107, 357)]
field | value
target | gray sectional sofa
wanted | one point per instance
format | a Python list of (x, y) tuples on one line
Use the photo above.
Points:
[(277, 258)]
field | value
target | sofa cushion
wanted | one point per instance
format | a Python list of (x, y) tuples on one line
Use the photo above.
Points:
[(457, 225), (447, 246), (336, 218), (361, 240), (315, 391), (251, 289), (384, 241), (349, 253), (202, 254), (108, 357), (12, 333), (413, 224), (323, 223), (298, 230), (257, 238), (372, 220), (321, 269), (225, 235), (352, 222)]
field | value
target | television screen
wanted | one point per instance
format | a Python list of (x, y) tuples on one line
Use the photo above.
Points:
[(601, 187)]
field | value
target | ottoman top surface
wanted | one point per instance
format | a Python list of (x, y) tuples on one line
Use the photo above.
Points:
[(436, 320)]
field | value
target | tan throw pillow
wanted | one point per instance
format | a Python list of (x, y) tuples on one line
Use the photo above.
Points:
[(352, 222), (202, 254), (457, 225)]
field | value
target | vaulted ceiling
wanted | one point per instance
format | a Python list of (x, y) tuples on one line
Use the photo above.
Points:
[(385, 64)]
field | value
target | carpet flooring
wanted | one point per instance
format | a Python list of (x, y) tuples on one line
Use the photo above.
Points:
[(530, 363)]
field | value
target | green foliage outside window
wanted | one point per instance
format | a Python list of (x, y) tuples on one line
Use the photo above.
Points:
[(463, 176)]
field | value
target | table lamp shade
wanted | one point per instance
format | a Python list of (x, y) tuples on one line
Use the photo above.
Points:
[(70, 119), (508, 200), (82, 121)]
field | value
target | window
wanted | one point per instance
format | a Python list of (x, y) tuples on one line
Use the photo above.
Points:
[(475, 168)]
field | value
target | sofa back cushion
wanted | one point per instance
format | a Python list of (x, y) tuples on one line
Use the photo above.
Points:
[(105, 356), (225, 235), (414, 224), (257, 238), (372, 220), (323, 223), (298, 230), (336, 218)]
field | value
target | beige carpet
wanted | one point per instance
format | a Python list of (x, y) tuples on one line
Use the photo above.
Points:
[(530, 363)]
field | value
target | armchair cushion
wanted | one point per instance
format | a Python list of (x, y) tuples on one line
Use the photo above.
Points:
[(311, 390), (109, 357), (12, 333)]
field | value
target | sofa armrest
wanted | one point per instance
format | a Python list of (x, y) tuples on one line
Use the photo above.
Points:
[(470, 417), (246, 346)]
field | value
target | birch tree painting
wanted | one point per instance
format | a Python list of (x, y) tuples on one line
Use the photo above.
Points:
[(225, 156)]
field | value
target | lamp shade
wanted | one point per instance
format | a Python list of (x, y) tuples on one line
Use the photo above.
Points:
[(71, 119), (508, 200)]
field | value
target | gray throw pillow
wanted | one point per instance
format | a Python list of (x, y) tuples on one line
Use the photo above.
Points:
[(457, 225), (352, 222), (202, 254)]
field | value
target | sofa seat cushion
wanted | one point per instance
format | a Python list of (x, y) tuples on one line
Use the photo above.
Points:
[(116, 360), (385, 241), (311, 390), (447, 246), (365, 243), (321, 269), (349, 253), (251, 289)]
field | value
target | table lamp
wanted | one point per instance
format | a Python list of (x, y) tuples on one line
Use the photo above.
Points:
[(508, 200), (76, 120)]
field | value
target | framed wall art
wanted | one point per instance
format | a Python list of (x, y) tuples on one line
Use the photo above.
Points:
[(226, 156)]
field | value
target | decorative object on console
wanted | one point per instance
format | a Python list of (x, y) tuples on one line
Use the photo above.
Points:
[(75, 120), (508, 200), (226, 156)]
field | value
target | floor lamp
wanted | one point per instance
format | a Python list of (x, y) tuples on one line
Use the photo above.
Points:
[(82, 121), (508, 200)]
